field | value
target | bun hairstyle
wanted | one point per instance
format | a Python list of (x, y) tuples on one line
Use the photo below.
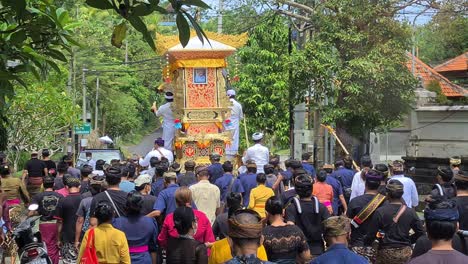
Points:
[(100, 164), (234, 202), (134, 203), (274, 205), (183, 219), (303, 186), (227, 166), (104, 212), (445, 173), (45, 153), (113, 175), (5, 170), (321, 175)]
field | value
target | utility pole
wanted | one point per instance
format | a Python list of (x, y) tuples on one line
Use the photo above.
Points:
[(126, 53), (83, 106), (220, 17), (96, 105)]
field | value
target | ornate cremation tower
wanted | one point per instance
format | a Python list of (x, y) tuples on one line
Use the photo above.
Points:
[(196, 74)]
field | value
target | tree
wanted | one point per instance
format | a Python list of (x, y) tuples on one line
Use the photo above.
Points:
[(120, 115), (263, 84), (371, 89), (445, 36), (135, 11), (39, 117), (33, 36)]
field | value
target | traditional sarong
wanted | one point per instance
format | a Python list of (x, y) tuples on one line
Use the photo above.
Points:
[(49, 236), (34, 185), (367, 252), (399, 255), (69, 253)]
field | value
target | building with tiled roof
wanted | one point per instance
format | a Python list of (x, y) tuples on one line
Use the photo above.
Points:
[(427, 75), (457, 64), (455, 69)]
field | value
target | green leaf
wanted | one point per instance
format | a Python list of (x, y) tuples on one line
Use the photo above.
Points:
[(18, 37), (56, 54), (184, 29), (142, 10), (100, 4), (62, 16), (198, 3), (73, 25), (200, 33), (53, 65), (6, 76), (137, 23), (119, 34), (140, 26)]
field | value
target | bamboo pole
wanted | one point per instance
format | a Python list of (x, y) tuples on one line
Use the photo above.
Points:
[(333, 132), (246, 133)]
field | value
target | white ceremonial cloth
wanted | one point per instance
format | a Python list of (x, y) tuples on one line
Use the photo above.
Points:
[(236, 116), (258, 153), (156, 153), (165, 111)]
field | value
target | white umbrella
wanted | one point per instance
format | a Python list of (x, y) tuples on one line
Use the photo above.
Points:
[(106, 140)]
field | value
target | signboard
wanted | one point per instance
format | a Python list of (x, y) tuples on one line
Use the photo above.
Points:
[(84, 129)]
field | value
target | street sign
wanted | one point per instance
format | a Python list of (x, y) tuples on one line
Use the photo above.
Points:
[(84, 129)]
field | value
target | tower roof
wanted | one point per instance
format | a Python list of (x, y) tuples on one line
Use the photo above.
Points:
[(428, 75)]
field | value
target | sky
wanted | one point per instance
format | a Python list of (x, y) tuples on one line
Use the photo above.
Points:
[(408, 14)]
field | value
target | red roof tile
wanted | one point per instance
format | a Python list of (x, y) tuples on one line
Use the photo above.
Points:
[(427, 74), (459, 63)]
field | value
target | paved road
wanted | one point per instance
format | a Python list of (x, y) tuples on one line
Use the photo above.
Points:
[(146, 143)]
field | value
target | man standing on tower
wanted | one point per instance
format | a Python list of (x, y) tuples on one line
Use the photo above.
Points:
[(233, 126), (168, 119)]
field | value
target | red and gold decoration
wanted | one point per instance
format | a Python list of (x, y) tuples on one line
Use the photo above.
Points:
[(201, 108)]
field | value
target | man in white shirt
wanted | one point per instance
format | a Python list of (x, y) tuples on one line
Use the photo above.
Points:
[(236, 116), (159, 152), (206, 196), (168, 125), (410, 193), (358, 186), (258, 153)]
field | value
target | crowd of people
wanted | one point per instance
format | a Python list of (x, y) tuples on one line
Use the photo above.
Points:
[(154, 210)]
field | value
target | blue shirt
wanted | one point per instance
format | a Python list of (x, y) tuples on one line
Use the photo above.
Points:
[(251, 259), (166, 199), (157, 186), (127, 186), (309, 168), (223, 185), (337, 191), (140, 231), (339, 254), (215, 171), (248, 182), (346, 176)]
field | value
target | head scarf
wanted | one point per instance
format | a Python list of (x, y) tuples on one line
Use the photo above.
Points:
[(337, 226), (450, 213), (238, 230), (257, 136), (159, 142), (455, 161), (373, 176), (394, 186)]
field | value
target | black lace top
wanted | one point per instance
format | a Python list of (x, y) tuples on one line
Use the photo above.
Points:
[(284, 242)]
